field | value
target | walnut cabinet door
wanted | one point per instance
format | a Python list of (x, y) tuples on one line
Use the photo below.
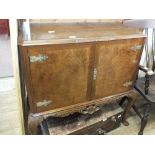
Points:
[(116, 66), (60, 75)]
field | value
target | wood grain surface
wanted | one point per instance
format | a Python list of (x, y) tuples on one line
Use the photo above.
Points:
[(60, 33), (63, 78), (116, 64), (66, 77)]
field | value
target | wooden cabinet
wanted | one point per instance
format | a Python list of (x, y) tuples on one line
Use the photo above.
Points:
[(76, 73), (79, 68)]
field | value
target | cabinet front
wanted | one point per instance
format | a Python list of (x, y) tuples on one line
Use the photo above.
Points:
[(60, 75), (65, 75), (116, 66)]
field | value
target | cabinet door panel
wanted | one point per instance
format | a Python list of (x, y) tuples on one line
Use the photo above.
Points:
[(63, 78), (117, 65)]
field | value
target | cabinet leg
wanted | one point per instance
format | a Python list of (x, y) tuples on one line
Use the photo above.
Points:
[(145, 118), (44, 127), (33, 124), (131, 100), (122, 101)]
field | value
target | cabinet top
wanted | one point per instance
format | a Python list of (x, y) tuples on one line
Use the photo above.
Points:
[(61, 33)]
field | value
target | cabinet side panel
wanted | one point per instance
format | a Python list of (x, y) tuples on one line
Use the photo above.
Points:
[(25, 73)]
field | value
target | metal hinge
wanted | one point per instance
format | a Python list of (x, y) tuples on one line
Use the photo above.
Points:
[(94, 74), (43, 103), (136, 48), (128, 83), (39, 58)]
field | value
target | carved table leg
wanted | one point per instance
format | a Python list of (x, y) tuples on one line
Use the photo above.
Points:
[(131, 100), (33, 123), (145, 118)]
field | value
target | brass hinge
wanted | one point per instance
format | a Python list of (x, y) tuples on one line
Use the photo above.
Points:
[(39, 58), (128, 83), (94, 74), (43, 103), (136, 48)]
